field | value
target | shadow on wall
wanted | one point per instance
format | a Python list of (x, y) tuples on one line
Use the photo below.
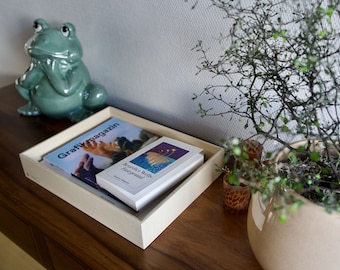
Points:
[(7, 80)]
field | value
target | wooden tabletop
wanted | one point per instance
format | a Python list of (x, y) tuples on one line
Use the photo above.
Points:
[(204, 236)]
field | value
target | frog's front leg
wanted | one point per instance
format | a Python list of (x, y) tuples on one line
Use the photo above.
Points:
[(26, 85), (28, 82), (65, 78)]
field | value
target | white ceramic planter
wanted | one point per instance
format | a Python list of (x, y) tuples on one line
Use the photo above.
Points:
[(309, 239)]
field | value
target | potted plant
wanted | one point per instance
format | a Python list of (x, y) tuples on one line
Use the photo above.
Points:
[(279, 74), (240, 159)]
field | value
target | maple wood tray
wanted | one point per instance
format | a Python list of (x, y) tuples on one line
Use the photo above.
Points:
[(143, 227)]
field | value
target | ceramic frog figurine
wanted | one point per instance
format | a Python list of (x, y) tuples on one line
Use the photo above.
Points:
[(57, 83)]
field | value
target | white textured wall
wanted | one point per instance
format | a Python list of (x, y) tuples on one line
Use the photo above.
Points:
[(140, 50)]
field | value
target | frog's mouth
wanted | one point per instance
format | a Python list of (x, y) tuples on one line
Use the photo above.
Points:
[(39, 52)]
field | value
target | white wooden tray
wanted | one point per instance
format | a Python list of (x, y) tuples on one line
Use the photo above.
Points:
[(142, 227)]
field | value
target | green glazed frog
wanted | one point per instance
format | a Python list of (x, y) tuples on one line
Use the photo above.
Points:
[(57, 83)]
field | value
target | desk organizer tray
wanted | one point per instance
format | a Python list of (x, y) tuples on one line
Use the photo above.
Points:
[(140, 228)]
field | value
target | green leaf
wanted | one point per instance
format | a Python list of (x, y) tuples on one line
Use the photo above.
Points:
[(292, 157), (325, 170), (296, 205), (319, 10), (269, 155), (297, 63), (321, 34), (329, 11), (283, 217), (227, 158), (301, 149), (233, 179), (297, 187), (282, 34), (285, 128), (276, 207), (245, 155), (246, 125), (314, 156), (304, 69), (237, 151)]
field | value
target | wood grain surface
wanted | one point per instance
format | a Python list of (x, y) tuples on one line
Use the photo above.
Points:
[(204, 236)]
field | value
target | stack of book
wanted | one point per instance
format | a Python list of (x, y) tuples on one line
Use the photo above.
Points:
[(81, 154), (126, 161)]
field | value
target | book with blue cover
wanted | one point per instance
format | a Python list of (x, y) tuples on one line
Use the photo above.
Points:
[(95, 150)]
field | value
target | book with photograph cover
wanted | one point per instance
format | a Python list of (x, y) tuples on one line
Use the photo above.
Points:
[(147, 173), (99, 148)]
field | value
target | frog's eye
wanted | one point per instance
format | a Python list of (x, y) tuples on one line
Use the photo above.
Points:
[(39, 25), (65, 30)]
